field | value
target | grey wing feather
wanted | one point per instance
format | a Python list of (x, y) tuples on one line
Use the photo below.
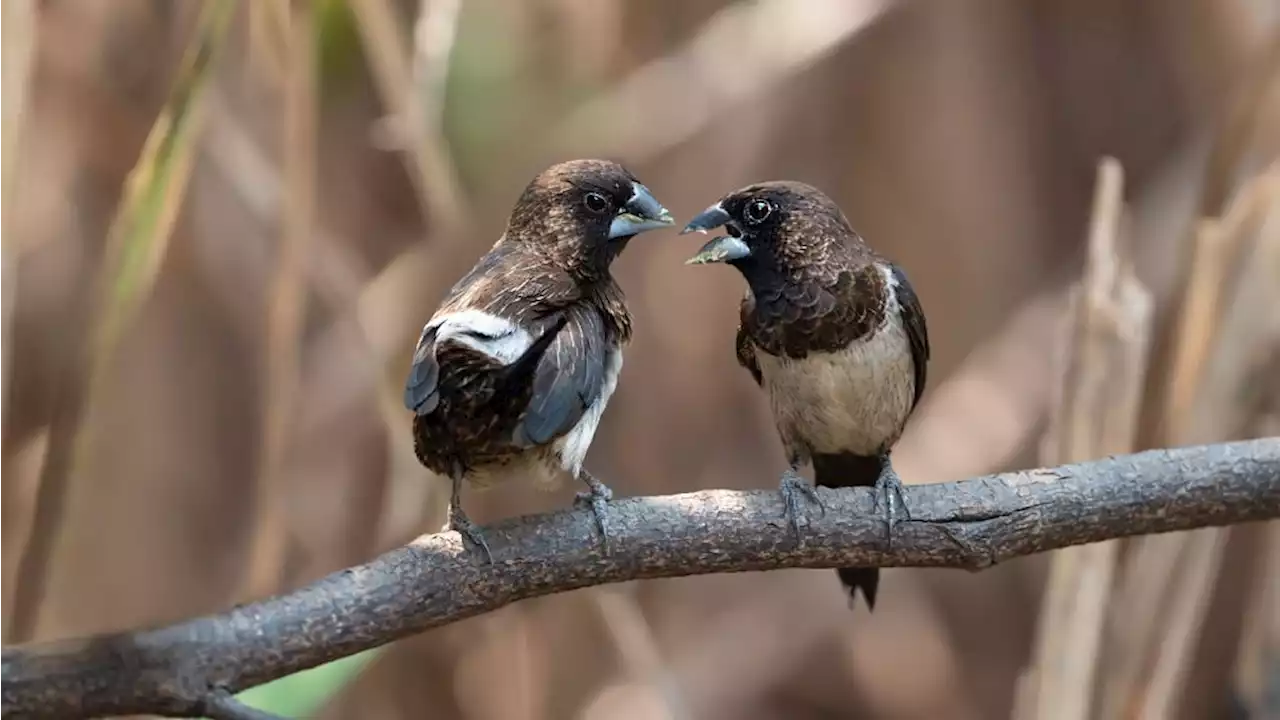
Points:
[(747, 355), (917, 331), (420, 390), (568, 380)]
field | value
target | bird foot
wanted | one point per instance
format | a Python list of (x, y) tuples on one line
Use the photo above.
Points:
[(889, 500), (460, 523), (792, 488), (597, 497)]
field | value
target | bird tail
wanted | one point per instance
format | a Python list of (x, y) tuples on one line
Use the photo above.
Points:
[(849, 470)]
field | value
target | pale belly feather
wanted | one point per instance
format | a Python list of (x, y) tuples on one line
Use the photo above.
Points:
[(550, 466), (854, 400)]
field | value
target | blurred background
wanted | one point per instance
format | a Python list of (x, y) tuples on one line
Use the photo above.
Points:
[(225, 223)]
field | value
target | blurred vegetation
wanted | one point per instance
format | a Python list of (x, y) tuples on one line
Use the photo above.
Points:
[(301, 694), (151, 191)]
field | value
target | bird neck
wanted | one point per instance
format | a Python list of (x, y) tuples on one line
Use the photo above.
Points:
[(592, 260), (586, 260), (767, 278), (805, 308)]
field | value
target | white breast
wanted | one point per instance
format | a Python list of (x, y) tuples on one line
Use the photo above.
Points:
[(854, 400)]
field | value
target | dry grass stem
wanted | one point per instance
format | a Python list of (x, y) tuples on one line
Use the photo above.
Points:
[(635, 641), (1229, 159), (1246, 333), (136, 245), (1143, 601), (1144, 669), (426, 152), (1259, 655), (1095, 415), (334, 272), (1190, 595), (268, 46), (287, 310), (1238, 393), (19, 18), (434, 32), (742, 52)]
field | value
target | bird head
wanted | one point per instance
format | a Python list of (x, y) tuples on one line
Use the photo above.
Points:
[(585, 211), (774, 225)]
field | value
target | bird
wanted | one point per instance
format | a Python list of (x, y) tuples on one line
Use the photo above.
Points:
[(834, 333), (511, 375)]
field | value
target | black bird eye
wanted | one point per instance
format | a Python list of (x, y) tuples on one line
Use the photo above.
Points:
[(757, 211), (595, 202)]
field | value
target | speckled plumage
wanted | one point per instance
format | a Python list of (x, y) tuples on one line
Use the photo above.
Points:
[(511, 375), (484, 415), (833, 332)]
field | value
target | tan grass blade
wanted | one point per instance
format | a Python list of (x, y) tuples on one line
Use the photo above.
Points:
[(1260, 641), (136, 245), (412, 85), (1095, 415), (19, 32), (1158, 618), (1240, 392), (266, 563), (634, 638), (426, 154)]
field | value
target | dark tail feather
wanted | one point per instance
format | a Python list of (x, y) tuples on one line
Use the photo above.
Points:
[(868, 579), (847, 470)]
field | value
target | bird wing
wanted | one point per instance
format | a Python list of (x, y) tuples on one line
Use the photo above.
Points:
[(571, 377), (421, 390), (917, 331), (747, 355), (486, 325)]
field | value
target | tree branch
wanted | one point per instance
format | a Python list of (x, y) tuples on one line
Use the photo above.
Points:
[(192, 667)]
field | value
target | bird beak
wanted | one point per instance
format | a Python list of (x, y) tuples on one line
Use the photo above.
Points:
[(642, 212), (710, 219), (723, 249)]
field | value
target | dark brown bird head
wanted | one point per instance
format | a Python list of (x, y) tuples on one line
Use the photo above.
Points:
[(583, 212), (776, 228)]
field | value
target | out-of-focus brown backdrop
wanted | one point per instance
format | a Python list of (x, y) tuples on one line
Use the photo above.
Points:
[(203, 358)]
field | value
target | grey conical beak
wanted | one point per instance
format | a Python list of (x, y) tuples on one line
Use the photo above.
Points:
[(709, 219), (642, 212), (721, 250)]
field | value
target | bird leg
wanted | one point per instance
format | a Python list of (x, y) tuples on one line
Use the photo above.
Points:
[(888, 497), (460, 523), (792, 488), (597, 497)]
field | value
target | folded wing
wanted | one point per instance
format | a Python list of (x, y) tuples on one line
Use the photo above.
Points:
[(573, 377)]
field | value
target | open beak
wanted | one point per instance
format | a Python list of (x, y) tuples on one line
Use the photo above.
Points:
[(723, 249), (709, 219), (642, 212)]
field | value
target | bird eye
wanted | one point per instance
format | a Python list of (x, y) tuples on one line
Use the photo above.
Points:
[(595, 202), (757, 211)]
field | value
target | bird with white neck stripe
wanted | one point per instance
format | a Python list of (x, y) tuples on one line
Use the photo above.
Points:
[(833, 332), (513, 372)]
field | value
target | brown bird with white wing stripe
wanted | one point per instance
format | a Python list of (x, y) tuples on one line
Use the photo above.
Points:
[(513, 372), (833, 332)]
